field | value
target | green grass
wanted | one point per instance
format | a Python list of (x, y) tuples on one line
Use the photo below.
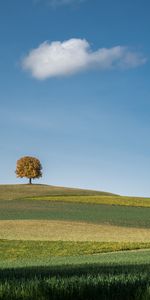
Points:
[(118, 287), (74, 264), (17, 191), (97, 199), (56, 193), (108, 276), (83, 212), (73, 270), (14, 251)]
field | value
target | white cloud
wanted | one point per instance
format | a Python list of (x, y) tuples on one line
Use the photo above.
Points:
[(72, 56)]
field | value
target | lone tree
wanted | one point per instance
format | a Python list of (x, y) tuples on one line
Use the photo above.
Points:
[(29, 167)]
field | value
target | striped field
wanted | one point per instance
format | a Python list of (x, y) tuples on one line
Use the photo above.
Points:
[(63, 243), (44, 230)]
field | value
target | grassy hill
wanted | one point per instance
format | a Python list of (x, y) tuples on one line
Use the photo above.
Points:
[(17, 191), (54, 243), (65, 194), (62, 213)]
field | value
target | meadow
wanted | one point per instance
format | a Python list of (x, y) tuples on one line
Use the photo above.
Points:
[(81, 212), (97, 199), (63, 243), (20, 191), (123, 275)]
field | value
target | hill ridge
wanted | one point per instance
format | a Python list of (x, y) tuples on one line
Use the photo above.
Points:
[(16, 191)]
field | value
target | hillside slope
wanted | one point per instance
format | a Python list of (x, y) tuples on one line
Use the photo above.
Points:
[(16, 191)]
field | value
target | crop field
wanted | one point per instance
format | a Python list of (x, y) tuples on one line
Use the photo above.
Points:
[(82, 212), (104, 276), (63, 243), (14, 253), (70, 231), (97, 199), (18, 191)]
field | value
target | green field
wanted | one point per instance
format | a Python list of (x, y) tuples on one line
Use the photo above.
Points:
[(54, 193), (97, 199), (16, 253), (18, 191), (62, 243), (83, 212), (105, 276)]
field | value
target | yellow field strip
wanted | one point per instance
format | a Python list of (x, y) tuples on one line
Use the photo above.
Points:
[(70, 231), (97, 199)]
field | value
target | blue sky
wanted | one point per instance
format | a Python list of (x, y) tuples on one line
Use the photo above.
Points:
[(75, 92)]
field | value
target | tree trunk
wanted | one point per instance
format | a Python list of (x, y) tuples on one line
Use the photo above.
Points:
[(30, 182)]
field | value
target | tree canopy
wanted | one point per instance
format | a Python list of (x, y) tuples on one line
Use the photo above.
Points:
[(29, 167)]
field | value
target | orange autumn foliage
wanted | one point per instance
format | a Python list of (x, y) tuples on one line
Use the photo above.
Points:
[(29, 167)]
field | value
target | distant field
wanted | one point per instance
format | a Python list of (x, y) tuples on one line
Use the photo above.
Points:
[(74, 195), (18, 191), (98, 199), (79, 212), (70, 231)]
